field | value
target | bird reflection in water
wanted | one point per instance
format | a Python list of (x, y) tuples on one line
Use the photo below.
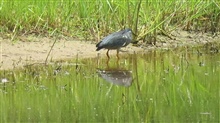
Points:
[(116, 76)]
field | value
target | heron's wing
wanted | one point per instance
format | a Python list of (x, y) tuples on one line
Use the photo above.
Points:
[(116, 42), (112, 36)]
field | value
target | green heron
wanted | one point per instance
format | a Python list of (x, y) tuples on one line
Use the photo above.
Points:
[(115, 41)]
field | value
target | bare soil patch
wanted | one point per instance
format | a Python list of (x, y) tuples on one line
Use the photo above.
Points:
[(35, 49), (19, 54)]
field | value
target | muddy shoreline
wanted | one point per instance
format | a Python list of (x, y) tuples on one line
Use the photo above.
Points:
[(29, 50)]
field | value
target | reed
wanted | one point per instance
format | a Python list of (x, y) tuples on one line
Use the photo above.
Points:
[(88, 20)]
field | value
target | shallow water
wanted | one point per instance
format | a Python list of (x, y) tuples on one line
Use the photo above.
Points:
[(178, 85)]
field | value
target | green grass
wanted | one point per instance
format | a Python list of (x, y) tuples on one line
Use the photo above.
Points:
[(88, 20), (180, 85)]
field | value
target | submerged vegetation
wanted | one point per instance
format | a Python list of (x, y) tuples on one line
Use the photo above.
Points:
[(90, 20), (179, 85)]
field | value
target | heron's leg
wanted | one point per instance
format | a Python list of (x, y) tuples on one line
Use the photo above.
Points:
[(107, 63), (107, 55), (117, 53)]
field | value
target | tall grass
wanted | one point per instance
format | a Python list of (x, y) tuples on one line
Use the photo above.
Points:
[(88, 20)]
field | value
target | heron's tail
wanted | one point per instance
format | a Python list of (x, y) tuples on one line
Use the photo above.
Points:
[(98, 47)]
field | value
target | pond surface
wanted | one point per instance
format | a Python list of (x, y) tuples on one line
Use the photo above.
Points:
[(178, 85)]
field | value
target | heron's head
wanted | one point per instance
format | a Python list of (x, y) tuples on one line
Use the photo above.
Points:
[(128, 33)]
